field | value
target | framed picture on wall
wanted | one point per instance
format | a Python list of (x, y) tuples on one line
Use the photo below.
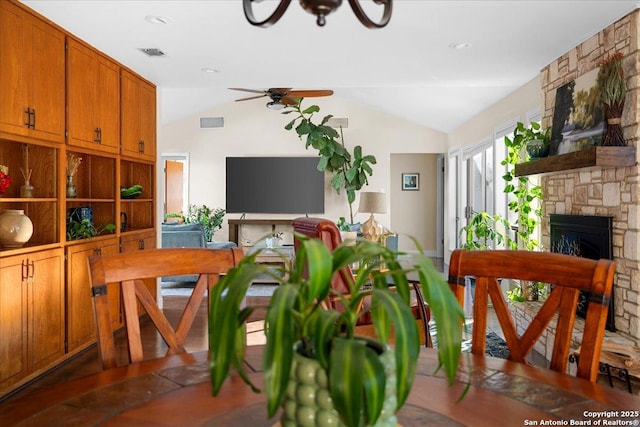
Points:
[(410, 181)]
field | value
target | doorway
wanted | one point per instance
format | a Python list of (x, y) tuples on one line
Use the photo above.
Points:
[(175, 167)]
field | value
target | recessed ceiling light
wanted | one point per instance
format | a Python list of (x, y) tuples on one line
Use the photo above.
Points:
[(155, 19), (459, 46), (209, 70), (152, 51)]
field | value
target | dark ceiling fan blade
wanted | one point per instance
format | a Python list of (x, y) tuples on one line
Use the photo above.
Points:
[(249, 90), (309, 93), (252, 97), (279, 90)]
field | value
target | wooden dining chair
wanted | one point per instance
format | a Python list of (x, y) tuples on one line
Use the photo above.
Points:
[(567, 275), (128, 270), (328, 232)]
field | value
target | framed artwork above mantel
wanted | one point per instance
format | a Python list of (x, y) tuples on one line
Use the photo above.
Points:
[(578, 117)]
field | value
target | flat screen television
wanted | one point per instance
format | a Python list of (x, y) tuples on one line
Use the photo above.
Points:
[(274, 185)]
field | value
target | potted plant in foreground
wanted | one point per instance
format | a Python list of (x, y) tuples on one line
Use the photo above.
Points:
[(356, 372)]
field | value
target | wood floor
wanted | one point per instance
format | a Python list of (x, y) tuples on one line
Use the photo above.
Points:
[(88, 362)]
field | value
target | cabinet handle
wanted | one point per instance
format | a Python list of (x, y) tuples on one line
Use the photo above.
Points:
[(99, 135), (96, 135), (31, 118), (25, 270), (33, 269), (141, 244), (97, 251), (141, 146)]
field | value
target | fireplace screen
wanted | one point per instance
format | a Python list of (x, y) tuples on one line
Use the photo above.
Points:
[(588, 237)]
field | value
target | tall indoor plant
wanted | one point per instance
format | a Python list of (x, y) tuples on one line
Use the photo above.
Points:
[(350, 169), (297, 317), (211, 219)]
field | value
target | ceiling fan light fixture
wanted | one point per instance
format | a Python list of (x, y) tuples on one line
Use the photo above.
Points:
[(320, 8), (275, 105)]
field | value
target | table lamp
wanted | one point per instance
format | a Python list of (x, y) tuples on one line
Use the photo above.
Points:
[(372, 202)]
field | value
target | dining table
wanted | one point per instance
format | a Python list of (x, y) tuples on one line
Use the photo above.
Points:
[(176, 391)]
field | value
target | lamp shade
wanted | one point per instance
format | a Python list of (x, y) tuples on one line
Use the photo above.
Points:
[(373, 202)]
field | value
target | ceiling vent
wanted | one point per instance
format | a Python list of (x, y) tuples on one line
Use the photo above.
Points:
[(152, 51), (338, 122), (211, 122)]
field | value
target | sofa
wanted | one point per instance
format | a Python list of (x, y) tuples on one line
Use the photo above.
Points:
[(180, 235)]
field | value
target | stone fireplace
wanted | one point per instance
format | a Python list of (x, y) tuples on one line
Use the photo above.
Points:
[(601, 186)]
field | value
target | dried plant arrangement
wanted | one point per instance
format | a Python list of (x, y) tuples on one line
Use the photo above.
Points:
[(613, 92)]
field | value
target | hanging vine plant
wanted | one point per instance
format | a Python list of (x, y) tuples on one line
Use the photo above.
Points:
[(526, 198), (351, 169)]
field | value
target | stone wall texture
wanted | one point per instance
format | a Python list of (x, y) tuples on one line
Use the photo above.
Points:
[(604, 191)]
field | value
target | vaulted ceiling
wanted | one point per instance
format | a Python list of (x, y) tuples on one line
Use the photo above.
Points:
[(409, 68)]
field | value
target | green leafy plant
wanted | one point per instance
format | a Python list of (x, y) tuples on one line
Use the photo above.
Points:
[(350, 170), (483, 231), (519, 293), (525, 195), (211, 219), (297, 316), (85, 229), (342, 224)]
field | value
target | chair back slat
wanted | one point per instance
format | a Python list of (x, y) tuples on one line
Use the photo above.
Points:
[(128, 270), (567, 275)]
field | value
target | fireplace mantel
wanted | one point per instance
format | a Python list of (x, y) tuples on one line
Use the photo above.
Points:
[(592, 156)]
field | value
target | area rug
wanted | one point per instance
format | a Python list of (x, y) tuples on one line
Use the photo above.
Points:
[(185, 289), (495, 346)]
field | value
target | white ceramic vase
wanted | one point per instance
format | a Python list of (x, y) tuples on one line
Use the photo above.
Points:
[(15, 228)]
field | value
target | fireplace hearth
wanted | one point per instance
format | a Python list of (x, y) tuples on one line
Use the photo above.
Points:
[(588, 237)]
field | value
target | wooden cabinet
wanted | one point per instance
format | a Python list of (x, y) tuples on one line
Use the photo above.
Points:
[(32, 76), (32, 315), (46, 309), (93, 98), (81, 329), (138, 114)]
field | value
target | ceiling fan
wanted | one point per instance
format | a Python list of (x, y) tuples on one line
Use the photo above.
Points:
[(281, 97)]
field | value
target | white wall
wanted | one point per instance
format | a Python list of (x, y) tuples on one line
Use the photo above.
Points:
[(415, 211), (253, 130), (514, 106)]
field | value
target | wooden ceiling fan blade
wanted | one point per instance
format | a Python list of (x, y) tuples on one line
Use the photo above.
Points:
[(309, 93), (252, 97), (248, 90), (289, 100)]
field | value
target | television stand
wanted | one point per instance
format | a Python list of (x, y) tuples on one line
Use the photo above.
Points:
[(234, 226)]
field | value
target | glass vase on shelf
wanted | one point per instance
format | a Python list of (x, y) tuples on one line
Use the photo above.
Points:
[(26, 190), (72, 192), (73, 163)]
